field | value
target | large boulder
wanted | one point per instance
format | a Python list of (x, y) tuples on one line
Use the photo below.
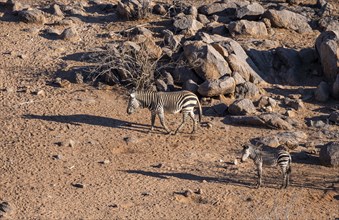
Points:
[(215, 87), (327, 45), (251, 12), (329, 154), (242, 107), (251, 28), (289, 20), (205, 60), (182, 74), (335, 88), (291, 139)]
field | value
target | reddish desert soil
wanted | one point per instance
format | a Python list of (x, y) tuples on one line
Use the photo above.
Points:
[(127, 173)]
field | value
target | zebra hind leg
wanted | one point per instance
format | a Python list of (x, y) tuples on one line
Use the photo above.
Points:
[(191, 114), (184, 116), (259, 167), (162, 121)]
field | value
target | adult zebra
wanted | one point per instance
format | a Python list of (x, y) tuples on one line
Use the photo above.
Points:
[(279, 157), (170, 102)]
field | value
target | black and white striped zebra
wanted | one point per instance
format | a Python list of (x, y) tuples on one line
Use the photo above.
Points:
[(279, 157), (170, 102)]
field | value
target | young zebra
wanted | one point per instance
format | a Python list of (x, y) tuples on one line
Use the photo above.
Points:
[(171, 102), (279, 158)]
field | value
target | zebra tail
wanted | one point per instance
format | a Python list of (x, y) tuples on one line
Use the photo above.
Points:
[(200, 110)]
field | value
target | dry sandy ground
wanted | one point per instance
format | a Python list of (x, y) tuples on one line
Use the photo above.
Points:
[(127, 173)]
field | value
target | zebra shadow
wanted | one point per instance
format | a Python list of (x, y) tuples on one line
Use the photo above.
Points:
[(248, 180), (79, 119), (230, 179)]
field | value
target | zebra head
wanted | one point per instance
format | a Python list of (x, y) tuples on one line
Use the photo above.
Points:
[(133, 104), (246, 152)]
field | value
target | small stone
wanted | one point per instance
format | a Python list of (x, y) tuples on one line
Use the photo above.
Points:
[(146, 194), (79, 79), (5, 207), (235, 162), (70, 34), (204, 181), (199, 191), (188, 193), (57, 157), (105, 161), (41, 93), (10, 89), (290, 113), (113, 206), (159, 9), (71, 143), (78, 185)]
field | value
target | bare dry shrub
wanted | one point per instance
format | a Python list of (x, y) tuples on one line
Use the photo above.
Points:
[(126, 64)]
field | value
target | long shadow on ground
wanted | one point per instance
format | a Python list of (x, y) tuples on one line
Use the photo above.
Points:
[(248, 180), (92, 120)]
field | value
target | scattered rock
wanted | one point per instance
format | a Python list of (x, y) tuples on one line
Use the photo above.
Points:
[(242, 107), (317, 124), (247, 90), (56, 10), (105, 161), (57, 157), (188, 193), (329, 154), (5, 209), (187, 25), (133, 9), (290, 113), (216, 87), (296, 104), (171, 40), (203, 19), (205, 60), (250, 12), (199, 191), (235, 162), (70, 34), (32, 16), (159, 9), (78, 185), (251, 28), (288, 19), (334, 117), (322, 93), (269, 120), (41, 93), (266, 101), (79, 78), (335, 88)]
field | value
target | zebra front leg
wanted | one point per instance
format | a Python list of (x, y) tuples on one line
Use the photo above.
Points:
[(162, 121), (184, 116), (153, 115), (191, 114), (259, 170)]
